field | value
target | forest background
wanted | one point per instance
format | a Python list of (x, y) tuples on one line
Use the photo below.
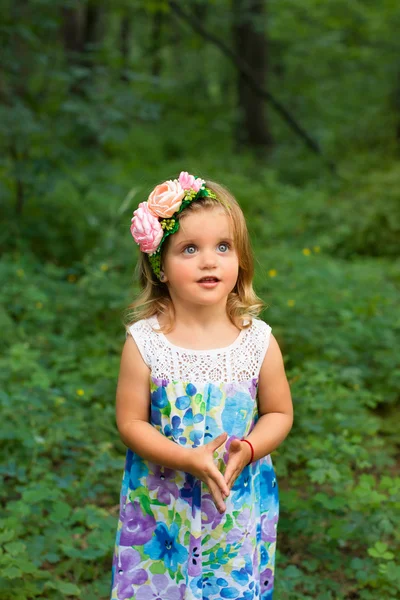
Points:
[(294, 106)]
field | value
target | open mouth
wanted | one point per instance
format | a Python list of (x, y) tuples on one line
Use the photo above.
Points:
[(208, 280)]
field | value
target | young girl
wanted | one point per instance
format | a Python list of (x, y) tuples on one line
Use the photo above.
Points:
[(202, 401)]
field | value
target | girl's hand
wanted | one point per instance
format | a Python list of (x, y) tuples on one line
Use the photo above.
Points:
[(203, 467), (239, 456)]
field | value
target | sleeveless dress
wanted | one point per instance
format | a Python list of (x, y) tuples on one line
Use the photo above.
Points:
[(171, 542)]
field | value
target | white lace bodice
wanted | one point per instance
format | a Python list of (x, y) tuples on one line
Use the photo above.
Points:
[(240, 361)]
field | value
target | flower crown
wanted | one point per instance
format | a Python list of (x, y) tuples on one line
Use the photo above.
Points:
[(157, 218)]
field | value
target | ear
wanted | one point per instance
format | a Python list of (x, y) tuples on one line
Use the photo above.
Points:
[(163, 277)]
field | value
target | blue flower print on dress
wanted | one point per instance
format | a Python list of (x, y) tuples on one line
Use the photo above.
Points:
[(191, 390), (241, 489), (209, 585), (236, 413), (164, 546), (211, 430), (196, 437), (182, 402), (191, 492), (268, 488), (155, 416), (176, 430), (159, 397), (212, 396), (243, 575), (189, 419), (138, 470), (226, 590)]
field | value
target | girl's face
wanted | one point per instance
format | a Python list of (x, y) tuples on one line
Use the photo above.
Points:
[(201, 264)]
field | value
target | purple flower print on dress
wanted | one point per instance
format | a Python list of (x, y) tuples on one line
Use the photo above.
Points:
[(160, 382), (162, 481), (191, 492), (161, 588), (246, 535), (194, 563), (269, 527), (164, 546), (267, 584), (137, 528), (253, 387), (210, 514), (127, 574)]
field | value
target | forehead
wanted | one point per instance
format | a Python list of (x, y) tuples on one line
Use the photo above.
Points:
[(204, 224)]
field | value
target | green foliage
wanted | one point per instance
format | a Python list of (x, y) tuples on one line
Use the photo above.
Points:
[(83, 139)]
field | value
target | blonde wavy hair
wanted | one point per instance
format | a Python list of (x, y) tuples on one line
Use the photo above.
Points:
[(242, 304)]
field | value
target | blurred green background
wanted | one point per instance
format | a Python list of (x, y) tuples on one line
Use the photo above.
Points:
[(295, 107)]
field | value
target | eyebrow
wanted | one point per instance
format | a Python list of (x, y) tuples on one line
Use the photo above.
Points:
[(192, 241)]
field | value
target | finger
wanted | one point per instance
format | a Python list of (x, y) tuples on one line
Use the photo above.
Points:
[(218, 441), (217, 496), (236, 445), (219, 479), (232, 476)]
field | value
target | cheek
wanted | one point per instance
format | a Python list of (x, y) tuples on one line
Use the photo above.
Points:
[(181, 270)]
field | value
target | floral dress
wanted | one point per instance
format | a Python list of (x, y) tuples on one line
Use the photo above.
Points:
[(171, 542)]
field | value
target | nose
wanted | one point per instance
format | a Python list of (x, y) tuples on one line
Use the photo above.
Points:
[(208, 259)]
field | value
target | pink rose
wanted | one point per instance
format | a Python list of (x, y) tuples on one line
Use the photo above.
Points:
[(146, 229), (166, 199), (188, 182)]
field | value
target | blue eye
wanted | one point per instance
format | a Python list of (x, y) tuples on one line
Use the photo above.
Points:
[(188, 249), (223, 245)]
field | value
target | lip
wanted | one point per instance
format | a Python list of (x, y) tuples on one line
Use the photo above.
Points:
[(209, 284)]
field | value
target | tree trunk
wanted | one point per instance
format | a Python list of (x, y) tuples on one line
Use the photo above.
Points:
[(81, 31), (250, 43), (125, 44)]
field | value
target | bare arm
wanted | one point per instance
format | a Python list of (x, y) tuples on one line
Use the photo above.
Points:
[(275, 405), (136, 431), (275, 408)]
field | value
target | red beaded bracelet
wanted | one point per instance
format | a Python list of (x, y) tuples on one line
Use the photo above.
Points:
[(252, 450)]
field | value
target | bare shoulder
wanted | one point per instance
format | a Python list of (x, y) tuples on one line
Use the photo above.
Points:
[(131, 358), (274, 391), (133, 389)]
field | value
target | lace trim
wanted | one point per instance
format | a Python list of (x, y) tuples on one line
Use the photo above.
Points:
[(240, 361)]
